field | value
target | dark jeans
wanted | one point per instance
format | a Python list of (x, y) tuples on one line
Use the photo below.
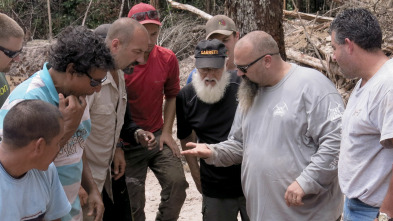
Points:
[(169, 172), (120, 209), (224, 209)]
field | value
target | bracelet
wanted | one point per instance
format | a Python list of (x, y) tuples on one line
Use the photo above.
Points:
[(136, 135)]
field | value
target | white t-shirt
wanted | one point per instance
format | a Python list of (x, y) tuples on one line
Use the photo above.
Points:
[(38, 195), (365, 163)]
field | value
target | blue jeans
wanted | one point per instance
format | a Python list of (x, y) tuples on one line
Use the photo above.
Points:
[(356, 210)]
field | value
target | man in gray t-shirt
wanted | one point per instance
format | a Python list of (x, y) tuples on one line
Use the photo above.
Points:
[(366, 157), (286, 134)]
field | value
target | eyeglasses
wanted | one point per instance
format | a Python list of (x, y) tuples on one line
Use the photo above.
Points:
[(95, 83), (141, 16), (9, 53), (243, 68)]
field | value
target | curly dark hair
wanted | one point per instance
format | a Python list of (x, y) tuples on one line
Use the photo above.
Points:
[(83, 48), (358, 25)]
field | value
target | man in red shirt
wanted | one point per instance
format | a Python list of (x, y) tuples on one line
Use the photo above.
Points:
[(146, 88)]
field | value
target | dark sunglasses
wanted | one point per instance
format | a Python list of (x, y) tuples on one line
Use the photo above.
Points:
[(9, 53), (95, 83), (243, 68), (141, 16)]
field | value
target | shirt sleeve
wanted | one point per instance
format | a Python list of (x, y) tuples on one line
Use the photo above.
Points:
[(189, 79), (129, 128), (58, 205), (324, 128), (229, 152), (183, 127), (172, 84), (385, 119)]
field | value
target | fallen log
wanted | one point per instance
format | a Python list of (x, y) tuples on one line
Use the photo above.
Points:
[(305, 16), (190, 8), (306, 59)]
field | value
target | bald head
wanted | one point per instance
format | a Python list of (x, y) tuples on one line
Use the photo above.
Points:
[(123, 29), (259, 42), (9, 28), (127, 40)]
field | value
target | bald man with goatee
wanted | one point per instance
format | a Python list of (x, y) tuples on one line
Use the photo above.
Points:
[(286, 134)]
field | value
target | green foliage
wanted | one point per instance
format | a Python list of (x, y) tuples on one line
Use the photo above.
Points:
[(32, 15)]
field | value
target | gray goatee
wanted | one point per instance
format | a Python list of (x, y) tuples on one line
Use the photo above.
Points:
[(246, 93)]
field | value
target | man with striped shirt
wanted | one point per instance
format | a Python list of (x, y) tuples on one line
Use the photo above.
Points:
[(77, 66)]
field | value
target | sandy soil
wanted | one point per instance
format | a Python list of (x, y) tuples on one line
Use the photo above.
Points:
[(192, 206)]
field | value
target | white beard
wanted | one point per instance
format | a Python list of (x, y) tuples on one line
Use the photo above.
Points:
[(210, 94)]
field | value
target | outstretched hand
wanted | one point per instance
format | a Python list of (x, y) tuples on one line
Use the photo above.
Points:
[(198, 150)]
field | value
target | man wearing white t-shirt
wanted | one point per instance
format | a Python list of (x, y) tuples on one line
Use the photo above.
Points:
[(366, 155)]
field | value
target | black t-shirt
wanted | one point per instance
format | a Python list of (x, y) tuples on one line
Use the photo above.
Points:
[(211, 123)]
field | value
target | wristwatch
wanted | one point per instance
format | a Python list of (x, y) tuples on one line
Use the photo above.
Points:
[(120, 144), (383, 217)]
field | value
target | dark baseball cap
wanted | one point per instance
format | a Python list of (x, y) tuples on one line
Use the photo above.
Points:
[(102, 30), (210, 54)]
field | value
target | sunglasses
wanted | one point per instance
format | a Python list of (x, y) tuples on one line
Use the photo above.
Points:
[(141, 16), (243, 68), (9, 53), (95, 83)]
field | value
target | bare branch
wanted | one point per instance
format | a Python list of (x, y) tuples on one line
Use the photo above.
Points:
[(121, 8), (305, 16), (50, 21), (190, 8), (309, 40), (87, 10)]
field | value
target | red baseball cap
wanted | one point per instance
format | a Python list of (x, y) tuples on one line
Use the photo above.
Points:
[(144, 14)]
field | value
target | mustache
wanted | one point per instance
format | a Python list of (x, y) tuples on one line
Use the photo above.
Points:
[(210, 79), (245, 78), (130, 68)]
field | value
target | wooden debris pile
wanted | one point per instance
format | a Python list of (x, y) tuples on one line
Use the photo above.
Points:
[(307, 43)]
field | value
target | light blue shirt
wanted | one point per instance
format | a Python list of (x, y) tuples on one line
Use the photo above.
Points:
[(38, 195), (69, 160)]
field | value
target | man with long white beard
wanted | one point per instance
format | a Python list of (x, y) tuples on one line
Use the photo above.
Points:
[(205, 110)]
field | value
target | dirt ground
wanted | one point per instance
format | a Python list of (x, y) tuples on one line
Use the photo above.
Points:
[(191, 209)]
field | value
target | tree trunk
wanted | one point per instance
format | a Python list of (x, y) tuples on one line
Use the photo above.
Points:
[(155, 4), (265, 15), (299, 4), (208, 5)]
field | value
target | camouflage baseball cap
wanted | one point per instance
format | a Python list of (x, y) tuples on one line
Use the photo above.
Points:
[(220, 24)]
